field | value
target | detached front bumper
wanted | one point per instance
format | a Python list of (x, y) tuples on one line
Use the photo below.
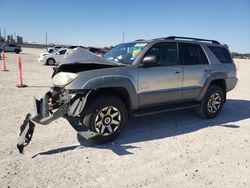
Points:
[(51, 107), (44, 116)]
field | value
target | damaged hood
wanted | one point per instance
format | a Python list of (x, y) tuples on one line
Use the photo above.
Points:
[(81, 55), (80, 60)]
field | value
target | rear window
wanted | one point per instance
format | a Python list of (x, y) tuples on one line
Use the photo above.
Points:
[(221, 53)]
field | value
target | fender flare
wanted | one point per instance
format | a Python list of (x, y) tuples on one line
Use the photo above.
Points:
[(114, 82), (212, 77)]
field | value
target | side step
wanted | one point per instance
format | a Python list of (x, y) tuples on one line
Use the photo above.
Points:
[(164, 108)]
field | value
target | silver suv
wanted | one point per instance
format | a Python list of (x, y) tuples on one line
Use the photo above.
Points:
[(99, 94)]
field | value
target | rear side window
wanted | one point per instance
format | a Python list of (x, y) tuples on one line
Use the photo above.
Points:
[(221, 53), (192, 54), (62, 52)]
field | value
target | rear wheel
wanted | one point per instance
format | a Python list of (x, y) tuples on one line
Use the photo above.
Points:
[(50, 61), (17, 51), (212, 102), (105, 116)]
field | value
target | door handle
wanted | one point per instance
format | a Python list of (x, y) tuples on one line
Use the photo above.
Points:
[(206, 68), (177, 70)]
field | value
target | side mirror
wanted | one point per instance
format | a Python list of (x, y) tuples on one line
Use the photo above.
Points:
[(150, 60)]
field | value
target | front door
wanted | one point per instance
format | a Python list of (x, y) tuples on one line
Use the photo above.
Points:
[(161, 83)]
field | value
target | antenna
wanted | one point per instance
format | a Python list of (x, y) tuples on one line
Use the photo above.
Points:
[(123, 37)]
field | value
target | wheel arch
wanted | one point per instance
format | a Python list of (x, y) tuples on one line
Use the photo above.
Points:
[(218, 79), (118, 92)]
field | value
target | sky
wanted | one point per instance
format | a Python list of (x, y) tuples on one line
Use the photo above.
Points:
[(102, 22)]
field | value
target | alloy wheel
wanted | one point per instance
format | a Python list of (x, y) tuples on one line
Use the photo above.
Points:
[(107, 120), (214, 103)]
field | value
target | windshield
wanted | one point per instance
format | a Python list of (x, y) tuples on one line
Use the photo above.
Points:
[(125, 53)]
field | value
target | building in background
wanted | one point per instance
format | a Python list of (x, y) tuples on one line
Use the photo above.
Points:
[(11, 38), (19, 39)]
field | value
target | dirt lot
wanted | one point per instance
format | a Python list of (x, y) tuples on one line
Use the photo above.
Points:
[(177, 149)]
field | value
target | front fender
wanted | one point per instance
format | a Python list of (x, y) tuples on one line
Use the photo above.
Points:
[(114, 82)]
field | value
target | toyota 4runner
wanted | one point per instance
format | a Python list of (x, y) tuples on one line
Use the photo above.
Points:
[(99, 94)]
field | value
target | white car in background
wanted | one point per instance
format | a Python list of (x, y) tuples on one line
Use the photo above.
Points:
[(54, 49), (52, 58)]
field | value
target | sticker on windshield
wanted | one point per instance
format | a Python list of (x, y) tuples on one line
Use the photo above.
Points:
[(137, 50)]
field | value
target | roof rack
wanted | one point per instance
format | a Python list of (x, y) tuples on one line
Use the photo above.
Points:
[(138, 40), (197, 39)]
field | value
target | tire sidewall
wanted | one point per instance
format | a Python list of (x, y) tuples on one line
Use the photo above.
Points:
[(210, 92), (47, 62), (89, 116)]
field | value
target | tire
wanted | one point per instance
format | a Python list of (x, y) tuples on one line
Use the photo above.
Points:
[(50, 61), (106, 116), (212, 102), (17, 51)]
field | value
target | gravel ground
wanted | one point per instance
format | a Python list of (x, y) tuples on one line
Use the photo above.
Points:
[(176, 149)]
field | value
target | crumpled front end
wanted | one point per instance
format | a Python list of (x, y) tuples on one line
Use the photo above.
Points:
[(56, 103)]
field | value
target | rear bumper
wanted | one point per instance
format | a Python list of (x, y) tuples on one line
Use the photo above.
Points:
[(231, 83)]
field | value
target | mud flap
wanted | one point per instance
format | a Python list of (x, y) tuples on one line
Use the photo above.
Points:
[(26, 132)]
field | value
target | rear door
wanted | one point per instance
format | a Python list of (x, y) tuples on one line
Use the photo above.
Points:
[(196, 69), (161, 83)]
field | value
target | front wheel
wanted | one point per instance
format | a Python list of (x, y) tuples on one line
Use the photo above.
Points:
[(105, 116), (50, 61), (212, 102)]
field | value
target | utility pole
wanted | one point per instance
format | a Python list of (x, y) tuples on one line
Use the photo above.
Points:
[(46, 38), (123, 37)]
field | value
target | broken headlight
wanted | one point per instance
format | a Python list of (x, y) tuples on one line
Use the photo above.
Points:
[(63, 78)]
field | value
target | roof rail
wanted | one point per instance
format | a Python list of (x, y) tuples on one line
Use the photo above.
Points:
[(197, 39), (138, 40)]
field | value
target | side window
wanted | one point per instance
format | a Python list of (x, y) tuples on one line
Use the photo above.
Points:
[(192, 54), (166, 52), (221, 53), (62, 52)]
